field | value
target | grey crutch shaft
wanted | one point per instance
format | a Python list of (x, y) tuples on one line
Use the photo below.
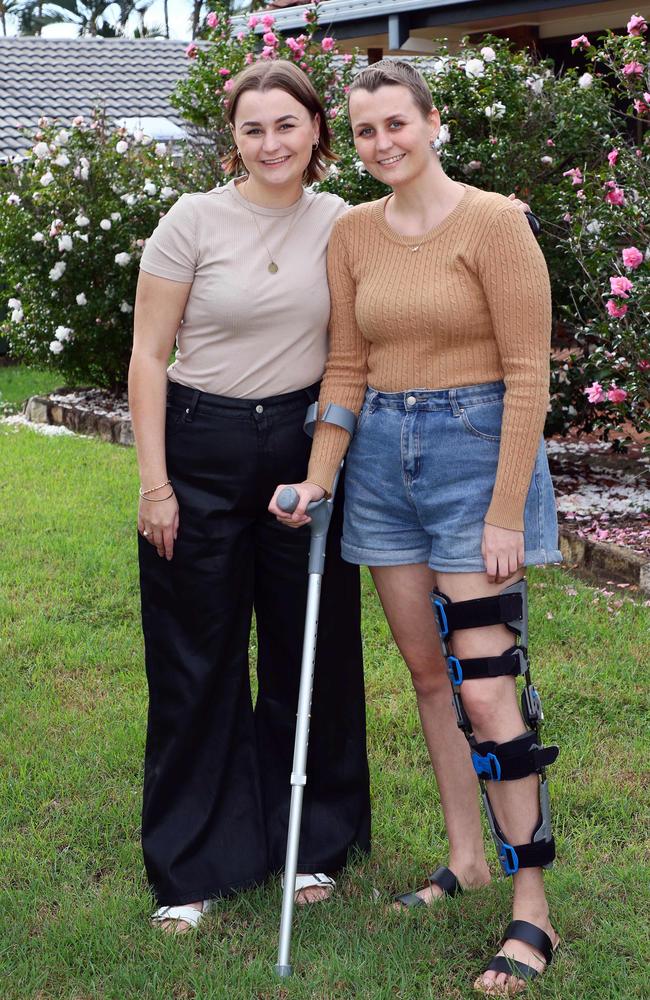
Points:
[(320, 513)]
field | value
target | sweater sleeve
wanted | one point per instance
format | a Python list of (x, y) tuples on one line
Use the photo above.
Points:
[(346, 370), (515, 282)]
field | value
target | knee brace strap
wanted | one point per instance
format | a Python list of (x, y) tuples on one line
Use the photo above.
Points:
[(507, 608), (513, 662), (539, 852), (512, 760)]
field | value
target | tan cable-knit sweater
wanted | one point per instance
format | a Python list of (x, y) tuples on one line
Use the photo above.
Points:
[(472, 305)]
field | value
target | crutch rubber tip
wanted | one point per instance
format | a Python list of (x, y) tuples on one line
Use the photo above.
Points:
[(283, 971)]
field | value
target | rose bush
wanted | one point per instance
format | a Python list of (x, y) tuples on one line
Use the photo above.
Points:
[(76, 212)]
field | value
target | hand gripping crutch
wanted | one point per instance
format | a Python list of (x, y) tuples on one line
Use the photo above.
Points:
[(320, 512)]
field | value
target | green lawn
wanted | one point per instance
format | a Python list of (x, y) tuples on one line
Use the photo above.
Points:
[(17, 382), (73, 919)]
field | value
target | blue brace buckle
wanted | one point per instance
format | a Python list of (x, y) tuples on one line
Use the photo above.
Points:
[(509, 860), (443, 624), (487, 766), (454, 671)]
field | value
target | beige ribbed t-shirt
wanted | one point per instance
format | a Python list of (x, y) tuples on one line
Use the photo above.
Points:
[(245, 332), (472, 305)]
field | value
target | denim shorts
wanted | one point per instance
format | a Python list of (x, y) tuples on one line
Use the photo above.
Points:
[(419, 478)]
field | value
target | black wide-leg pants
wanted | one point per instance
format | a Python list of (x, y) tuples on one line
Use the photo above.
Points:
[(216, 783)]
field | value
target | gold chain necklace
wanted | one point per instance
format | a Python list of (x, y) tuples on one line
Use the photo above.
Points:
[(273, 267)]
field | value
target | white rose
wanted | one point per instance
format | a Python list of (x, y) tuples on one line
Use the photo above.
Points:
[(115, 216), (61, 137), (160, 149), (585, 81), (61, 160), (82, 220), (150, 188), (593, 227), (81, 299), (488, 54), (547, 159), (138, 135), (146, 140), (105, 224), (444, 135), (125, 307), (65, 242), (474, 68), (57, 270), (121, 146), (167, 193), (128, 199), (14, 304), (62, 333), (47, 178), (359, 167), (535, 83), (13, 199), (17, 316), (41, 150), (122, 259), (38, 237), (56, 347), (496, 110), (82, 236)]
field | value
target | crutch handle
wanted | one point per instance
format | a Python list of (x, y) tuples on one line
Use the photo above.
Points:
[(288, 501)]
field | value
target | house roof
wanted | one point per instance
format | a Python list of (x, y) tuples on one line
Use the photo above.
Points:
[(64, 77)]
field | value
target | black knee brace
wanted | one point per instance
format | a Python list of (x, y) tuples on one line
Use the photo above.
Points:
[(519, 757)]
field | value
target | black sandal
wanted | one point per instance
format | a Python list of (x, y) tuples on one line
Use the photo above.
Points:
[(443, 878), (518, 930)]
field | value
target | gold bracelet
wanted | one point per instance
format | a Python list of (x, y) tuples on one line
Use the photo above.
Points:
[(143, 493), (154, 500)]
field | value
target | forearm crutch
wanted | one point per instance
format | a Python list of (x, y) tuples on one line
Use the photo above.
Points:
[(320, 512)]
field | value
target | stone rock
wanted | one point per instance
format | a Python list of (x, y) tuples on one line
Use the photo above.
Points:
[(124, 433), (37, 410)]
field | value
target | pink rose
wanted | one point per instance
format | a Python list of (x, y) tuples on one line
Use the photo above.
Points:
[(640, 107), (614, 310), (268, 52), (241, 35), (567, 217), (549, 142), (248, 58), (347, 58), (224, 71), (620, 285), (268, 20), (269, 38), (575, 174), (327, 44), (612, 157), (594, 393), (632, 257), (228, 85), (616, 395), (632, 69), (616, 196), (580, 42), (191, 50), (212, 20), (636, 25), (644, 365), (253, 21)]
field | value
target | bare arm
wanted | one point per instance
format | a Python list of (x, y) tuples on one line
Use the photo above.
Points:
[(159, 307)]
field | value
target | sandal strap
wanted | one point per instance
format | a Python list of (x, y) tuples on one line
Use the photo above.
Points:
[(445, 879), (410, 899), (312, 881), (189, 914), (522, 930), (508, 965)]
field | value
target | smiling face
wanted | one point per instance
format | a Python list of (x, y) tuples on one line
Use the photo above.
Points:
[(391, 134), (275, 134)]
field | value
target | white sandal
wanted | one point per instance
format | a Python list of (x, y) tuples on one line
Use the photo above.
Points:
[(186, 913), (316, 880)]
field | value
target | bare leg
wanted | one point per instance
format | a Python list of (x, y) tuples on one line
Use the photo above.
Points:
[(404, 594), (492, 707)]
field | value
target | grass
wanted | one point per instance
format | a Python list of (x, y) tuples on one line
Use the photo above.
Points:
[(17, 382), (73, 919)]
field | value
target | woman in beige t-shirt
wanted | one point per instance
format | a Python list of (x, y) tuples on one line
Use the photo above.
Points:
[(237, 277)]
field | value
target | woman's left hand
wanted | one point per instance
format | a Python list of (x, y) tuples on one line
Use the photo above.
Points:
[(503, 552), (518, 203)]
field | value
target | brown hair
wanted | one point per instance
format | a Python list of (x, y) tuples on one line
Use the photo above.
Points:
[(280, 74), (394, 73)]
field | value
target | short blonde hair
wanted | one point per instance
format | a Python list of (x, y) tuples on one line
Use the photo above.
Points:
[(280, 74)]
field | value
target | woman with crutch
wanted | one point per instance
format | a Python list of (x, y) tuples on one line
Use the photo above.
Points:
[(237, 277), (439, 336)]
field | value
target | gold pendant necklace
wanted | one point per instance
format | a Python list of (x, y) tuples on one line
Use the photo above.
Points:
[(273, 267)]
